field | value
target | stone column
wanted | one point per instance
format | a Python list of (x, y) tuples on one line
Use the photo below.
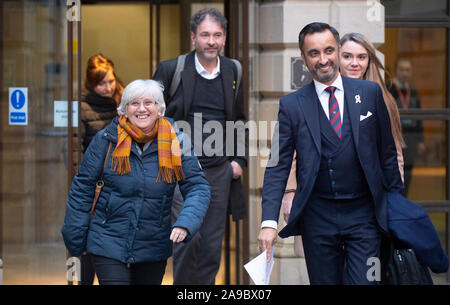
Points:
[(275, 72)]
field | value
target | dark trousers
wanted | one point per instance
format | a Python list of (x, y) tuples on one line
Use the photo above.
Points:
[(339, 238), (197, 261), (113, 272), (87, 269)]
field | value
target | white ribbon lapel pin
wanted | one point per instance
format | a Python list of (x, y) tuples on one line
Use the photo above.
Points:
[(357, 99)]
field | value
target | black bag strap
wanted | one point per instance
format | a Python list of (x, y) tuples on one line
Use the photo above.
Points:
[(100, 183)]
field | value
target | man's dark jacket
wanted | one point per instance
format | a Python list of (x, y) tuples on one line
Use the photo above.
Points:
[(179, 105), (299, 130)]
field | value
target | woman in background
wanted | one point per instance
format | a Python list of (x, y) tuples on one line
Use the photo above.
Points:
[(359, 60), (99, 105)]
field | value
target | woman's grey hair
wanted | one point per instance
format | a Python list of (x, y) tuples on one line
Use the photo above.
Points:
[(211, 12), (140, 88)]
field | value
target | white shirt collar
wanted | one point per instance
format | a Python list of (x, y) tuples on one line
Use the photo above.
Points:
[(320, 87), (324, 96), (203, 72)]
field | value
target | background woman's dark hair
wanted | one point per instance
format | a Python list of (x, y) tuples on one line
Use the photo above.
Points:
[(316, 27), (211, 12), (97, 68)]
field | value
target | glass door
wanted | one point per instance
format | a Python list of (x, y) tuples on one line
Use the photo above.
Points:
[(416, 53), (44, 48), (33, 141)]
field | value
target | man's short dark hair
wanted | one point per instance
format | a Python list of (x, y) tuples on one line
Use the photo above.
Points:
[(211, 12), (316, 27)]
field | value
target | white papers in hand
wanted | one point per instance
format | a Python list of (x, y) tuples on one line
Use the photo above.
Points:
[(259, 269)]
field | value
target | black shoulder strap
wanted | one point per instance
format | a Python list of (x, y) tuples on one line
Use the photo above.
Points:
[(100, 183)]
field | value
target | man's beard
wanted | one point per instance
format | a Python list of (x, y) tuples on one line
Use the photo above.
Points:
[(324, 78), (208, 55)]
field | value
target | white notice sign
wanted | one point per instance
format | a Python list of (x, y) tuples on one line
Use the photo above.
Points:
[(60, 114)]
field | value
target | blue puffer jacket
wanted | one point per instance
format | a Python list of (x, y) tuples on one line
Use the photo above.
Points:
[(132, 217)]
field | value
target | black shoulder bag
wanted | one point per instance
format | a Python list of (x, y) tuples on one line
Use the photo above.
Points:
[(403, 267)]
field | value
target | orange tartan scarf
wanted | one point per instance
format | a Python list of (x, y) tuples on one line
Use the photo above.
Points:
[(169, 151)]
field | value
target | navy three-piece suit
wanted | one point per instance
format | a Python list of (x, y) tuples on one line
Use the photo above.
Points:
[(340, 201)]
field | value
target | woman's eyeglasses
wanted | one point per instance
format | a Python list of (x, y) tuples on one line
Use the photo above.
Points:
[(146, 103)]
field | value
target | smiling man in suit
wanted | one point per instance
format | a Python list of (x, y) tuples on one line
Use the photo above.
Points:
[(346, 161), (207, 95)]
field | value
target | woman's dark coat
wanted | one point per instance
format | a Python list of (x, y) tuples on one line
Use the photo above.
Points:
[(132, 220), (96, 113)]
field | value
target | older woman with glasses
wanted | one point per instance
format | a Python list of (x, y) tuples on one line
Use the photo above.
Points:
[(130, 234)]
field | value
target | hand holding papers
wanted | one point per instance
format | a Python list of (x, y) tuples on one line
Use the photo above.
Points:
[(260, 269)]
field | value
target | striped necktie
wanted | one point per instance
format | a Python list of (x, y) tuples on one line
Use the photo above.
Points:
[(335, 115)]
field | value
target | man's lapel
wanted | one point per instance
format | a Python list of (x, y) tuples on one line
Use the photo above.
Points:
[(309, 103), (353, 106), (188, 76), (226, 71)]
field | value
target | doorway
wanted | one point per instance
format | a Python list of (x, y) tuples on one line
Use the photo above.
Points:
[(33, 151), (44, 56)]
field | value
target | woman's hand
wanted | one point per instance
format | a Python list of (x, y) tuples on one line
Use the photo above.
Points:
[(178, 234)]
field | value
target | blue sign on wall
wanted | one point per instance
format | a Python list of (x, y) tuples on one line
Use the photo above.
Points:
[(18, 106), (18, 99)]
